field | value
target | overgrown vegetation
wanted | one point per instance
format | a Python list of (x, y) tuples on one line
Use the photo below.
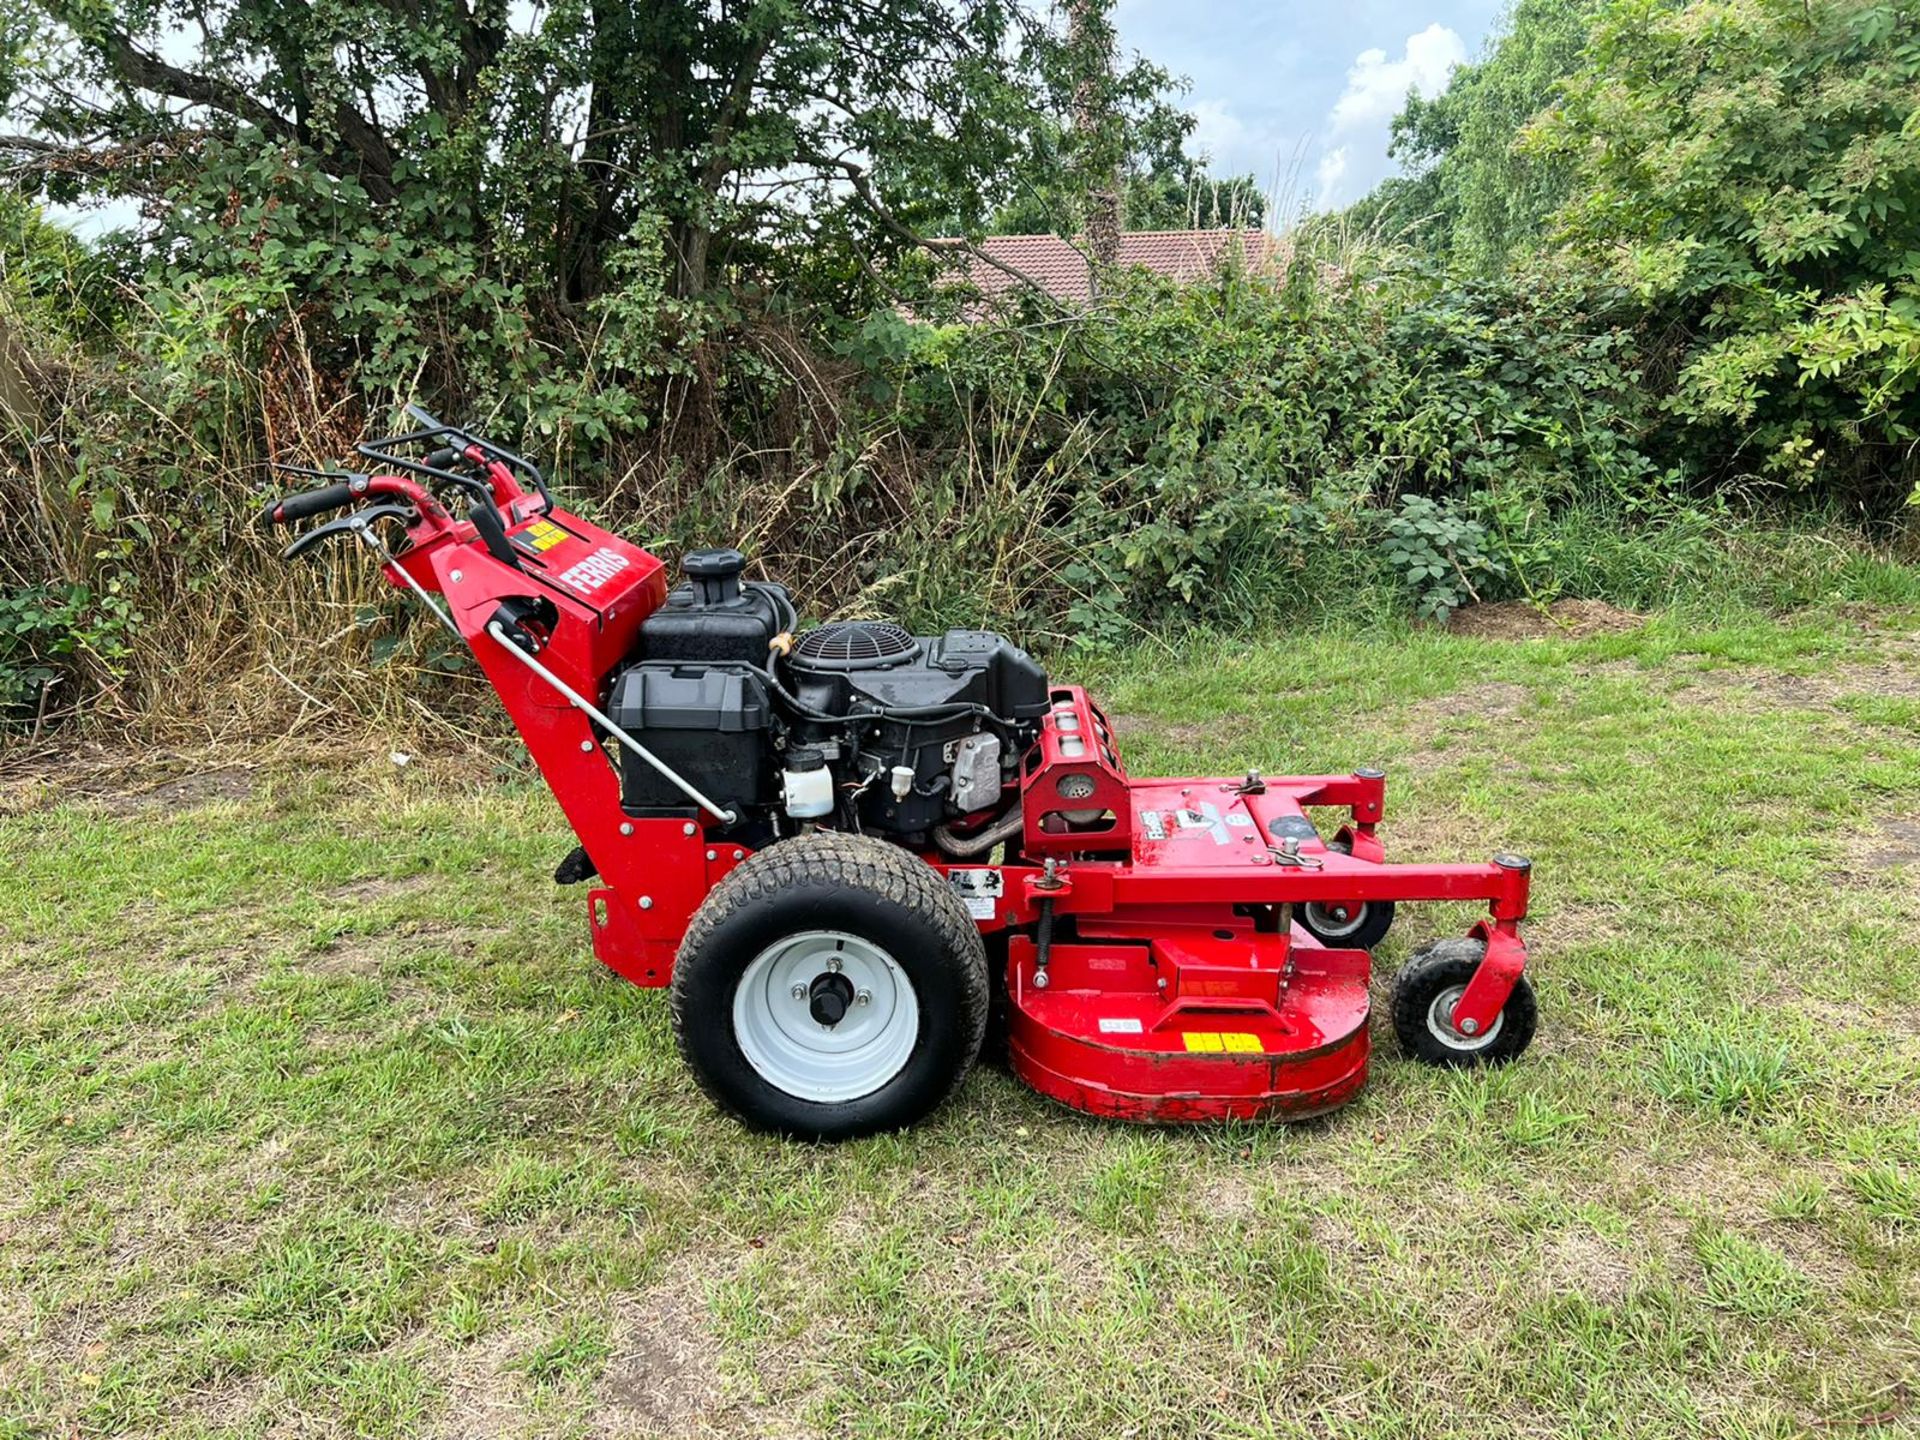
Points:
[(1642, 326)]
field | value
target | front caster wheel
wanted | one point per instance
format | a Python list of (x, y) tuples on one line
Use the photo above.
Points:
[(1427, 988), (1346, 924), (831, 987)]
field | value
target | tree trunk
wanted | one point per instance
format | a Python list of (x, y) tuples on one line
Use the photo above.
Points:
[(1090, 35), (689, 241)]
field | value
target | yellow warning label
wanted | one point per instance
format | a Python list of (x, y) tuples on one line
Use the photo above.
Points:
[(542, 535), (1214, 1042)]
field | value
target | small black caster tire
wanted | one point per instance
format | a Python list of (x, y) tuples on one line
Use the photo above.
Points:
[(1346, 925), (833, 986), (1424, 993)]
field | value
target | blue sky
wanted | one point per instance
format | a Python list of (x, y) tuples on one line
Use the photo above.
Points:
[(1301, 95)]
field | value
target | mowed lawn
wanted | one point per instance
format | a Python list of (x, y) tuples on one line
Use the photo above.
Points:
[(317, 1118)]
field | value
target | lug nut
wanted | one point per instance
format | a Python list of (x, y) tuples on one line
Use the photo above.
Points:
[(833, 964), (799, 991), (862, 997)]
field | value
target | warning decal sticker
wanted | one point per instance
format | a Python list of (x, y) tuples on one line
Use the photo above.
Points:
[(541, 536), (1216, 1042), (979, 890)]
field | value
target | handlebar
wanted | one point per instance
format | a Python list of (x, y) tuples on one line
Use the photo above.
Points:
[(305, 504), (455, 447)]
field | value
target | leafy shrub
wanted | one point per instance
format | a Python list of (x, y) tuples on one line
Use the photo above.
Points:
[(1437, 552), (1750, 171)]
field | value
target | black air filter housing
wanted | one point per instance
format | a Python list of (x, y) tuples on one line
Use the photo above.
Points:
[(853, 645), (856, 665)]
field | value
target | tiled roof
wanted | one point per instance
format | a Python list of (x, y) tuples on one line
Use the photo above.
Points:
[(1060, 267)]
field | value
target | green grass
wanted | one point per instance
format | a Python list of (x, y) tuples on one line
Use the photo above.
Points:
[(316, 1117)]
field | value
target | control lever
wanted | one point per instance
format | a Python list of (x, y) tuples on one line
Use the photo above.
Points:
[(359, 523)]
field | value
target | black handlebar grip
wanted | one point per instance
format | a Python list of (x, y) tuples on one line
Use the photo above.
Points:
[(308, 503)]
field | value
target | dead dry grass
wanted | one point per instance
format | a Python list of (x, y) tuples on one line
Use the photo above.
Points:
[(1522, 620)]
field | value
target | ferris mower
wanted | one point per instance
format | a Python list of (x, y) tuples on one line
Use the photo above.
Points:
[(841, 846)]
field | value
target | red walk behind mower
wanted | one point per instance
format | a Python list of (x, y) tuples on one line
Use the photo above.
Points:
[(843, 847)]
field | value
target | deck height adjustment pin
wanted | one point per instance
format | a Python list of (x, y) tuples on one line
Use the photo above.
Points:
[(1043, 934), (1287, 852)]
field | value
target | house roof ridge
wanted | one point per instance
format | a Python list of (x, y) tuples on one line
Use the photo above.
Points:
[(1139, 234)]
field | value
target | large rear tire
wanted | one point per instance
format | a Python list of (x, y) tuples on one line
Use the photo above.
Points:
[(831, 987)]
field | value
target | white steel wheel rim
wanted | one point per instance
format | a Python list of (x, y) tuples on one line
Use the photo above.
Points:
[(1440, 1022), (792, 1051), (1322, 921)]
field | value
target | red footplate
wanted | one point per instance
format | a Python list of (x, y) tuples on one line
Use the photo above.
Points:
[(1207, 1024)]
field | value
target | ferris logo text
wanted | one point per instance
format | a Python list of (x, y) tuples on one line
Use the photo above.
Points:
[(594, 571)]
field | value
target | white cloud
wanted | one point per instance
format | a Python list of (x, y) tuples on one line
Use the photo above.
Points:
[(1217, 131), (1359, 126), (1331, 170)]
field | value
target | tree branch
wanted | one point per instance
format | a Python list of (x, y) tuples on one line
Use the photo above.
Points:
[(366, 154), (143, 70), (731, 109), (856, 176)]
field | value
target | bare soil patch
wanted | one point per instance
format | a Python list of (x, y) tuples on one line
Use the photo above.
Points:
[(1456, 714), (349, 955), (664, 1374), (378, 887), (1492, 701), (1581, 1262), (1519, 620), (486, 1396), (1894, 845), (1830, 690), (126, 792), (1883, 860)]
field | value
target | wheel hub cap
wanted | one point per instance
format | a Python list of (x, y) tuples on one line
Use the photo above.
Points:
[(829, 999), (825, 1016), (1334, 921), (1440, 1022)]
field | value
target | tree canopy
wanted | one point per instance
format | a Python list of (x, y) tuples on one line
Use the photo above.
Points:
[(1751, 170)]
